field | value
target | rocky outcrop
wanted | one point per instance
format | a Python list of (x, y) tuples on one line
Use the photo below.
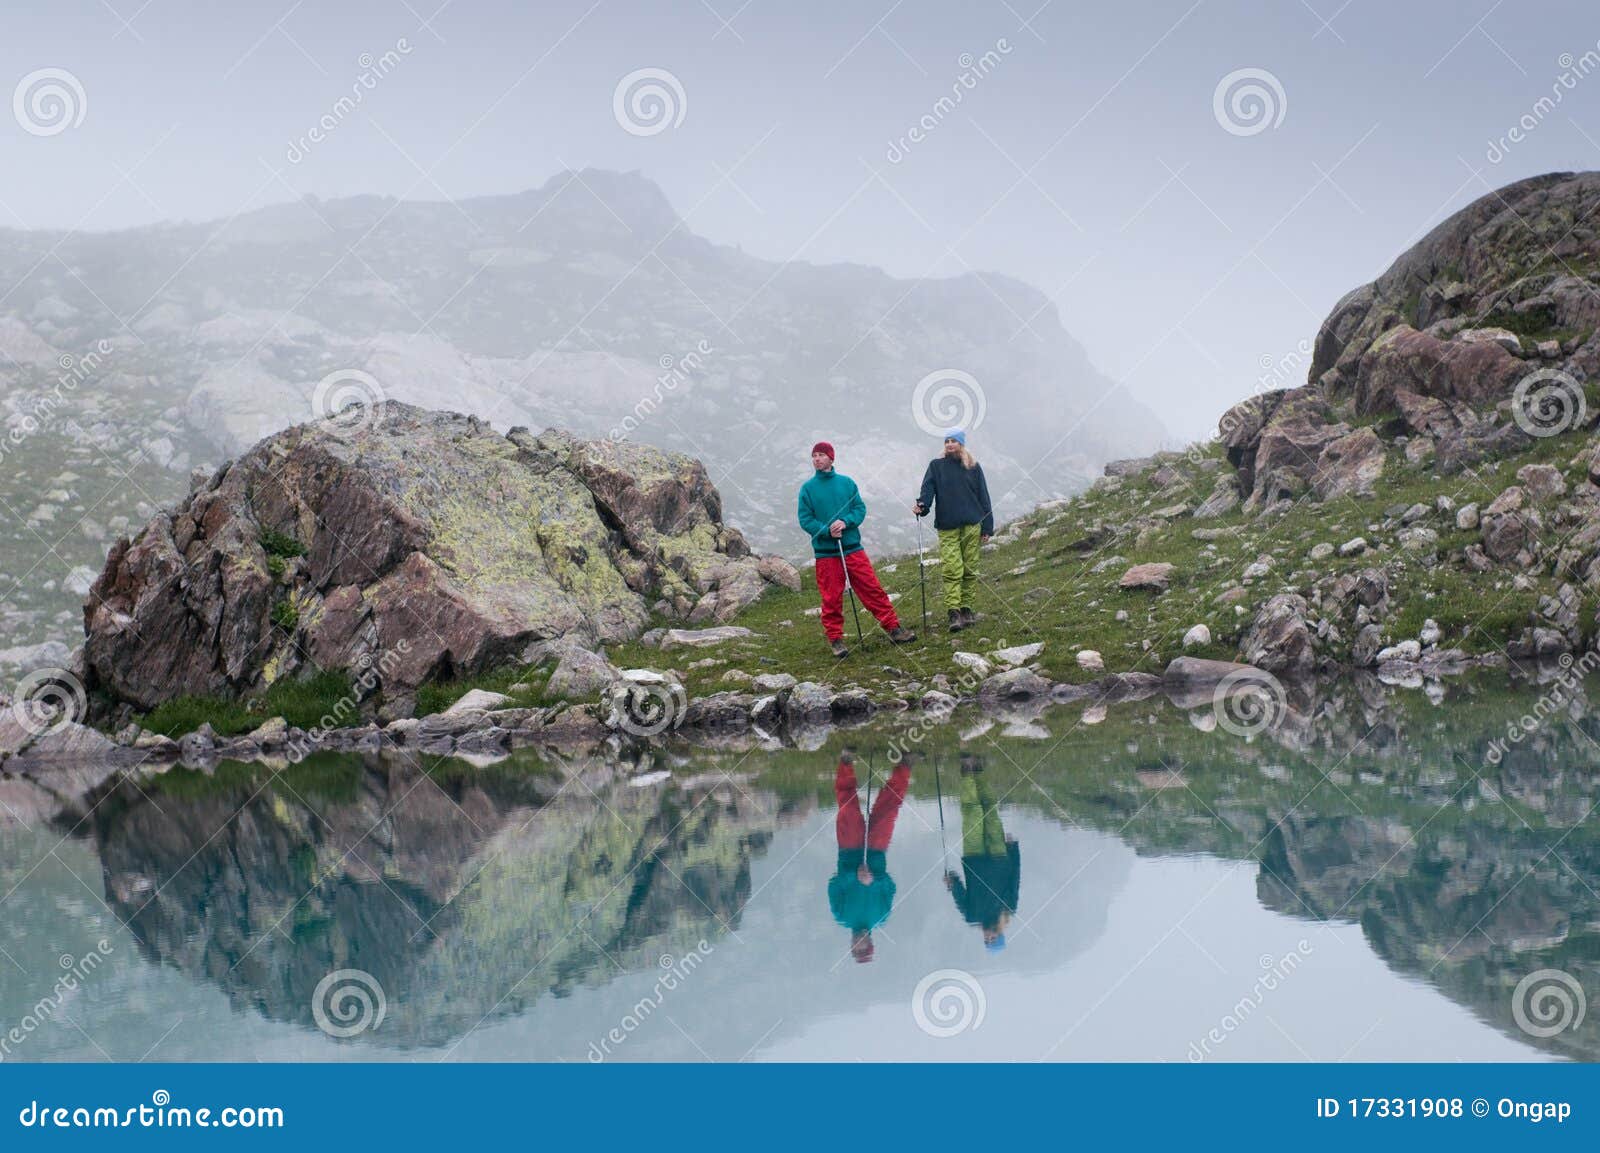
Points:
[(1493, 314), (401, 545)]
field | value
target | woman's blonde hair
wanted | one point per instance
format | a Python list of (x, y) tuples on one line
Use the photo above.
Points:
[(968, 461)]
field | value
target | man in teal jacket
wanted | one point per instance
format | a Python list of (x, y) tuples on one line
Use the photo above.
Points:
[(831, 512)]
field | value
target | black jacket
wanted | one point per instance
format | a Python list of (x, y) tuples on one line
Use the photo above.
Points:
[(957, 494)]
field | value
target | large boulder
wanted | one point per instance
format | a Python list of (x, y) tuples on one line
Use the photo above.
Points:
[(402, 545)]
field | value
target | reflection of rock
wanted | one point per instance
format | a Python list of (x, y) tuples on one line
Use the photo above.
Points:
[(466, 897), (1474, 909)]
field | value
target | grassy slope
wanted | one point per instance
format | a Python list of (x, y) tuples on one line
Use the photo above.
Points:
[(1062, 601)]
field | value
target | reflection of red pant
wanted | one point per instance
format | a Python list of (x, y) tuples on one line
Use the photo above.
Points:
[(863, 580), (876, 832)]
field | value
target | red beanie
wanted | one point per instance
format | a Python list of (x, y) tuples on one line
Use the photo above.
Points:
[(823, 446)]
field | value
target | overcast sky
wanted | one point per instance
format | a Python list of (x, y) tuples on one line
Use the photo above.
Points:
[(1186, 245)]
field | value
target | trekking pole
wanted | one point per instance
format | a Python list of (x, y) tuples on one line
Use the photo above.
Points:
[(850, 592), (866, 836), (922, 576), (938, 792)]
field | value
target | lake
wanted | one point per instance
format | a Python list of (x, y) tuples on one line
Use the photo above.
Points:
[(1378, 874)]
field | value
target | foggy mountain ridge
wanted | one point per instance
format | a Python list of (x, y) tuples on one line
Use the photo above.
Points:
[(585, 304)]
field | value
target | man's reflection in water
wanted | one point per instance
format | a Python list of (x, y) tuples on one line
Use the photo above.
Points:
[(991, 862), (861, 892)]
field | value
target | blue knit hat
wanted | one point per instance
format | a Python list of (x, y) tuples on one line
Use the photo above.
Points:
[(957, 435)]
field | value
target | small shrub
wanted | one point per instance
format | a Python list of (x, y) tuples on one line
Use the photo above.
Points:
[(280, 544), (286, 616)]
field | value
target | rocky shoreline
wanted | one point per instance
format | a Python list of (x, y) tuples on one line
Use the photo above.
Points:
[(646, 709)]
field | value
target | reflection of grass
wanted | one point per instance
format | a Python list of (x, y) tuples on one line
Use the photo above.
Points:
[(302, 703)]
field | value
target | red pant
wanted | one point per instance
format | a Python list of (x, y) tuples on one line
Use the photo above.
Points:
[(830, 583), (876, 832)]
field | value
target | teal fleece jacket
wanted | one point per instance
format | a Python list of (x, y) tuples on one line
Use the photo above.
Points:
[(825, 498)]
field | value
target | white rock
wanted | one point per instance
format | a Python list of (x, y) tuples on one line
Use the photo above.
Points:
[(1467, 516), (1322, 551), (974, 662), (1430, 633), (1196, 637), (1091, 660), (1404, 651), (1018, 654), (477, 701), (1353, 547)]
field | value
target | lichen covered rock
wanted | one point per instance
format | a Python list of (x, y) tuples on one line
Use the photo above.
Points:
[(401, 546)]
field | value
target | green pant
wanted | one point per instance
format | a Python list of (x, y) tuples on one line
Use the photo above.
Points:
[(981, 832), (958, 559)]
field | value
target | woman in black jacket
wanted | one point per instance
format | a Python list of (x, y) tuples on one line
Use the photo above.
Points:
[(955, 489)]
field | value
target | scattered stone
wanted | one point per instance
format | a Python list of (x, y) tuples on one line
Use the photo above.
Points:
[(1322, 551), (1156, 576), (974, 662), (1409, 651), (773, 682), (1279, 640), (1197, 637), (1353, 547), (1541, 481), (1091, 661), (1018, 654), (477, 701), (1467, 517), (1505, 338), (701, 638)]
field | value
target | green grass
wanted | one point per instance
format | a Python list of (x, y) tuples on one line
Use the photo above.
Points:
[(436, 697), (302, 703)]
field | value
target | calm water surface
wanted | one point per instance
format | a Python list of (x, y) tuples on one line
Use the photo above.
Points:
[(1363, 882)]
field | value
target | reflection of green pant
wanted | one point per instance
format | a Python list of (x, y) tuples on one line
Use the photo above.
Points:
[(958, 559), (981, 834)]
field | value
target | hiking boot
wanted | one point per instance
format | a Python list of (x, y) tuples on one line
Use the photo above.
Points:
[(970, 764), (901, 635), (968, 617), (839, 648), (958, 620)]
